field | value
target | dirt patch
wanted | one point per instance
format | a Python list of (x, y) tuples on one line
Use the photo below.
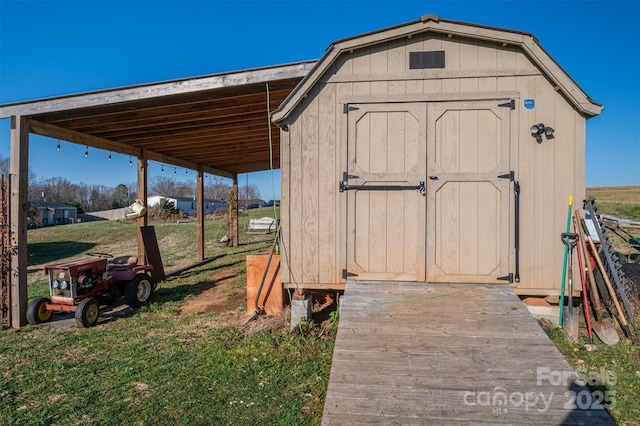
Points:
[(222, 297)]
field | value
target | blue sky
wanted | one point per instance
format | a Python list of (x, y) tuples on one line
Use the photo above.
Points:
[(54, 48)]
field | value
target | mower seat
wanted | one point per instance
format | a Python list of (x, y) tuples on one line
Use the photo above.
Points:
[(122, 262)]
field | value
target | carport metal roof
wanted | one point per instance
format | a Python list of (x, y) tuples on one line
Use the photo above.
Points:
[(217, 123)]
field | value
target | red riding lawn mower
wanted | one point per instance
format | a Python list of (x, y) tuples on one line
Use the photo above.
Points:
[(78, 285)]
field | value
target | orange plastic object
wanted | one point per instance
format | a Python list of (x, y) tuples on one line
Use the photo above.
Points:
[(272, 296)]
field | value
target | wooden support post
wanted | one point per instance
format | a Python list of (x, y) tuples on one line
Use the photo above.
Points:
[(142, 196), (200, 213), (19, 181), (233, 213)]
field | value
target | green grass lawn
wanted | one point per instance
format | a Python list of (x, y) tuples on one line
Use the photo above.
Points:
[(154, 365)]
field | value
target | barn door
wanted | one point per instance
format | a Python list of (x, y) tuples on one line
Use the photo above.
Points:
[(384, 186), (468, 201)]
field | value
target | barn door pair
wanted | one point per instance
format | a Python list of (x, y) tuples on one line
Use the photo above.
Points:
[(424, 200)]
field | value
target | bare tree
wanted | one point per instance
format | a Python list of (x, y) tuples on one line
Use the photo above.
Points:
[(186, 189), (247, 194), (120, 196), (5, 168), (162, 185), (4, 165)]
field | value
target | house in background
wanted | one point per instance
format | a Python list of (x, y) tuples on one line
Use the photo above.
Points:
[(53, 213), (188, 205)]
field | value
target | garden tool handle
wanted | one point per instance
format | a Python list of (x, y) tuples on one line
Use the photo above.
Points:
[(570, 239)]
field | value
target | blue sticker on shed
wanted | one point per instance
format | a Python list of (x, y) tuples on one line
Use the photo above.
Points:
[(529, 103)]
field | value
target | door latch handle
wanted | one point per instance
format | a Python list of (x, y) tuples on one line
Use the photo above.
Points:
[(433, 177)]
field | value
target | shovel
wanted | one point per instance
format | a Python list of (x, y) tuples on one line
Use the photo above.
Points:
[(570, 312), (603, 329), (585, 298)]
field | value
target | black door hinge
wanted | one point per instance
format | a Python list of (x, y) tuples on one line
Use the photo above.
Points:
[(346, 108), (511, 104), (511, 176), (346, 274), (506, 278)]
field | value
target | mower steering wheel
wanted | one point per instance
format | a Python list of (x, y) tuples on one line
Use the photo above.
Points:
[(96, 254)]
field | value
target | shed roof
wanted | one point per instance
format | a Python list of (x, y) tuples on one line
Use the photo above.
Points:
[(431, 23), (219, 123)]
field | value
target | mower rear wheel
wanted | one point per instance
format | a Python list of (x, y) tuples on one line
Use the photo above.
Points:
[(37, 312), (88, 313), (139, 290)]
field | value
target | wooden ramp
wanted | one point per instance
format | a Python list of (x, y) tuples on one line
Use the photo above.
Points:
[(439, 354)]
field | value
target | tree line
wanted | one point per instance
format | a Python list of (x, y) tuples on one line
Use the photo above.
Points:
[(92, 197)]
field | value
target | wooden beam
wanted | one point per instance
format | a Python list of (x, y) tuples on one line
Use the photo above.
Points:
[(56, 132), (200, 213), (176, 112), (142, 195), (20, 177), (233, 213), (209, 130), (207, 123), (150, 91), (53, 131)]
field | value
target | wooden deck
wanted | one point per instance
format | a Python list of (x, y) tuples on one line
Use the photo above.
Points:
[(440, 354)]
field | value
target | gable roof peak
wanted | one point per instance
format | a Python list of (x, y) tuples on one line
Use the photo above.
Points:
[(430, 17)]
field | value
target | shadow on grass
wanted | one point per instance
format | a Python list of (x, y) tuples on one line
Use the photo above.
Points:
[(48, 252), (181, 292), (215, 266)]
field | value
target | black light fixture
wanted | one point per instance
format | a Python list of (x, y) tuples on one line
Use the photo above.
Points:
[(175, 171), (130, 162), (162, 171), (548, 132), (86, 152), (537, 130), (58, 147), (109, 158)]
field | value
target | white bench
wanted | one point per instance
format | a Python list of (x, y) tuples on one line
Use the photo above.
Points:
[(267, 224)]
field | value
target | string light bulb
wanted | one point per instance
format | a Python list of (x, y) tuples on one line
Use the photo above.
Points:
[(109, 158), (58, 147), (86, 152), (162, 171), (130, 162), (186, 172), (175, 171)]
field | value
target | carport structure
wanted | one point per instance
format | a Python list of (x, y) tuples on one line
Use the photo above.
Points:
[(216, 124)]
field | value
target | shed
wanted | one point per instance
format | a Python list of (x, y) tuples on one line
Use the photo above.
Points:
[(436, 151)]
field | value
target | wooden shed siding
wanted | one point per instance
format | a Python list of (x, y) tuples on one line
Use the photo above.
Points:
[(309, 193), (327, 172), (548, 172)]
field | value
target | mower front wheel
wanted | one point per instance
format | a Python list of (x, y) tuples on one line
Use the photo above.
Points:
[(88, 313), (139, 290), (37, 312)]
